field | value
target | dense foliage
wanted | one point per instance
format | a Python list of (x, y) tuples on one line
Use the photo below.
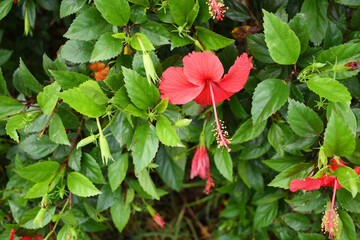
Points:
[(100, 137)]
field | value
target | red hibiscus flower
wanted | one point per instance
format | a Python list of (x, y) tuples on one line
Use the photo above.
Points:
[(330, 219), (201, 79), (200, 165), (37, 237)]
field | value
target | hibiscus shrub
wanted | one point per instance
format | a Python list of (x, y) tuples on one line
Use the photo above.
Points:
[(180, 119)]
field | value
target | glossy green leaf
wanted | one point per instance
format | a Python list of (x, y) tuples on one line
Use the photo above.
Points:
[(283, 44), (265, 214), (48, 98), (237, 11), (348, 232), (148, 46), (315, 12), (9, 106), (348, 178), (212, 40), (351, 3), (296, 171), (38, 148), (116, 12), (66, 233), (88, 25), (170, 170), (347, 202), (87, 99), (3, 87), (344, 111), (17, 209), (81, 186), (39, 172), (303, 120), (117, 171), (340, 54), (333, 36), (27, 220), (75, 160), (268, 97), (147, 183), (257, 46), (276, 138), (57, 132), (77, 51), (180, 10), (120, 214), (144, 146), (5, 56), (14, 123), (106, 47), (280, 164), (122, 130), (91, 169), (299, 25), (28, 79), (5, 7), (68, 80), (330, 89), (223, 163), (138, 14), (141, 93), (68, 7), (167, 133), (338, 139), (310, 236), (297, 221), (156, 33)]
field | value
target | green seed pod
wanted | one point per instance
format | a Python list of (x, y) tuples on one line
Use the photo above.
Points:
[(104, 147), (39, 217), (149, 68), (86, 141)]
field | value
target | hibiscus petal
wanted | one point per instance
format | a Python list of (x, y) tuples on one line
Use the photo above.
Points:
[(307, 184), (336, 164), (176, 86), (201, 66), (220, 94), (238, 74)]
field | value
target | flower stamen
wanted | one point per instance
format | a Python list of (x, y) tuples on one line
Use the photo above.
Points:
[(221, 133), (217, 9), (331, 217)]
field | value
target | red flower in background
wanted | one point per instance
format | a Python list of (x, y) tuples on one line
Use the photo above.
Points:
[(330, 219), (100, 69), (15, 1), (37, 237), (201, 79)]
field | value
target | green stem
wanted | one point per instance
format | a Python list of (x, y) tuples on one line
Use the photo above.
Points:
[(53, 230)]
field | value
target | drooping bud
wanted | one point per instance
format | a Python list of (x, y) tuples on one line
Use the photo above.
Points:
[(149, 68), (353, 66), (322, 159), (104, 146), (156, 217)]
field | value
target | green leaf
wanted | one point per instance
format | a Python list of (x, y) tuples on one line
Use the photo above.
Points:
[(347, 202), (344, 111), (147, 183), (66, 233), (180, 10), (296, 171), (140, 2), (81, 186), (338, 139), (77, 51), (257, 46), (144, 146), (115, 81), (303, 120), (237, 11), (68, 7), (122, 130), (27, 220), (167, 133), (330, 89), (116, 12), (106, 47), (297, 221), (91, 169), (212, 40), (170, 170), (299, 25), (223, 163), (333, 36), (283, 44), (38, 148), (265, 214), (310, 236), (57, 131), (69, 80), (268, 97), (5, 7), (145, 41), (88, 25), (3, 87), (28, 79), (138, 14), (9, 106), (75, 160), (156, 33), (190, 18), (39, 172), (17, 209), (5, 56), (280, 164), (276, 138), (351, 3), (87, 99), (48, 98), (340, 54), (316, 16), (141, 93), (120, 214), (117, 171), (348, 232), (348, 178)]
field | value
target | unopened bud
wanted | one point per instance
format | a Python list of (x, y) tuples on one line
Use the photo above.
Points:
[(322, 159), (86, 141), (39, 217), (104, 148), (149, 68), (353, 66)]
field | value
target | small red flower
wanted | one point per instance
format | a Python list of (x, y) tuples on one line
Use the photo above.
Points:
[(12, 234), (100, 69), (15, 1), (201, 79), (37, 237), (330, 219), (157, 218), (200, 165)]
